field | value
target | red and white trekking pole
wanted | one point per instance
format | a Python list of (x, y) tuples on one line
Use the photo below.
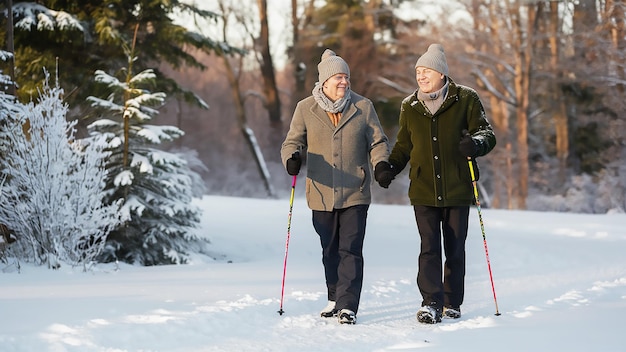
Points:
[(482, 228), (282, 290)]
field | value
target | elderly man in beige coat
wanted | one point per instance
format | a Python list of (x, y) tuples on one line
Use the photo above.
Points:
[(343, 138)]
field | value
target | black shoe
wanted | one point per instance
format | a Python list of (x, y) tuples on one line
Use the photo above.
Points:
[(329, 311), (452, 312), (429, 315), (346, 316)]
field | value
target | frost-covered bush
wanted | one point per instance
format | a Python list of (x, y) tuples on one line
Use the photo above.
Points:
[(599, 194), (53, 195)]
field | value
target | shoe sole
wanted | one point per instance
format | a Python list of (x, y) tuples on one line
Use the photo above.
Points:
[(345, 318), (427, 319), (347, 321), (451, 313), (328, 314)]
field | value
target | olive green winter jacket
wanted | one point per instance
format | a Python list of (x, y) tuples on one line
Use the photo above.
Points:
[(339, 159), (439, 174)]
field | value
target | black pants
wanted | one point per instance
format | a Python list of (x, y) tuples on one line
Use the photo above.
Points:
[(342, 232), (437, 287)]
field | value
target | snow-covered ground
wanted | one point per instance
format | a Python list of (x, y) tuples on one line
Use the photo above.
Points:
[(560, 281)]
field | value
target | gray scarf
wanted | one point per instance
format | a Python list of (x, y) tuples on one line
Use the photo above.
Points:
[(434, 100), (328, 105)]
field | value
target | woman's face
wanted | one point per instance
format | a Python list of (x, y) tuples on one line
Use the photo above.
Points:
[(429, 80), (336, 86)]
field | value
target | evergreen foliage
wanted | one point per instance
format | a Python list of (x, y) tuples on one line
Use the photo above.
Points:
[(156, 186), (83, 36)]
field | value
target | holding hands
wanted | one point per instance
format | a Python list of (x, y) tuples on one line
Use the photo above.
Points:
[(384, 174)]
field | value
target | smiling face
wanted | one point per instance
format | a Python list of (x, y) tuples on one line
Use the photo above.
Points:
[(428, 79), (336, 86)]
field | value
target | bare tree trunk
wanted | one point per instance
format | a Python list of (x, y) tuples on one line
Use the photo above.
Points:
[(272, 99), (294, 21), (246, 131), (522, 89), (618, 30), (301, 70), (499, 98), (499, 114), (509, 171), (500, 119), (240, 113), (559, 111)]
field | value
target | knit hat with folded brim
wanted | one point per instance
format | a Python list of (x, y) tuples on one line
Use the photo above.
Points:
[(434, 58), (330, 65)]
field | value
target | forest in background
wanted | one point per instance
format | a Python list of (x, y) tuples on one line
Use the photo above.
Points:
[(550, 73)]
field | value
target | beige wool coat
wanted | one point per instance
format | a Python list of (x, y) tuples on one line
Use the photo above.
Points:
[(339, 160)]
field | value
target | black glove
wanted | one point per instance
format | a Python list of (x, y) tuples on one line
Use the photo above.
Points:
[(383, 173), (294, 163), (469, 146)]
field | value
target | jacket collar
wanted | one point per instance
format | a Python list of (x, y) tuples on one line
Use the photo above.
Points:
[(348, 112)]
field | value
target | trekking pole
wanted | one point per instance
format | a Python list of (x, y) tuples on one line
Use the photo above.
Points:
[(282, 290), (482, 228)]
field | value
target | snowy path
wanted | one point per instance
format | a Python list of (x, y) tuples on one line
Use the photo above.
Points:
[(560, 279)]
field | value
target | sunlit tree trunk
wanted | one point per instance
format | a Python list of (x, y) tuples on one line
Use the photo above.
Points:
[(523, 59), (492, 78), (270, 90), (558, 107)]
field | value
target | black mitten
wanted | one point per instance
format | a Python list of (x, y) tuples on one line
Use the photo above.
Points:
[(294, 163), (469, 146), (383, 173)]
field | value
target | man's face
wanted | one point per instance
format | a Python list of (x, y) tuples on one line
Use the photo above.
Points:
[(428, 79), (335, 87)]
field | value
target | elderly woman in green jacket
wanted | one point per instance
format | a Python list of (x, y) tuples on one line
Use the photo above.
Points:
[(441, 125), (342, 136)]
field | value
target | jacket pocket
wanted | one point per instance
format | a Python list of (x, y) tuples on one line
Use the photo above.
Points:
[(364, 178), (414, 172)]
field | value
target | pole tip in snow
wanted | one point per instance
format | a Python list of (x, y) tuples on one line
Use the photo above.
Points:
[(498, 314), (281, 311)]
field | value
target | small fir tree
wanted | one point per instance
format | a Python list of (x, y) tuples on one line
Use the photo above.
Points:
[(156, 186)]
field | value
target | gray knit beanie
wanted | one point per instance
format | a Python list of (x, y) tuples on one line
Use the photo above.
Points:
[(434, 59), (330, 65)]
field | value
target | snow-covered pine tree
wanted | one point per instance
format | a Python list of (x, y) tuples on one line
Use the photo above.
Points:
[(8, 107), (155, 185), (53, 195), (8, 103)]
